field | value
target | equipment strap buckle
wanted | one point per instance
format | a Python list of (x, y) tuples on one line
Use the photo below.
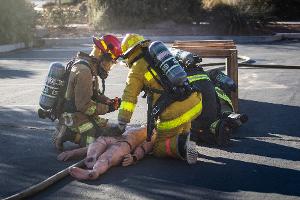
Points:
[(68, 119), (155, 111)]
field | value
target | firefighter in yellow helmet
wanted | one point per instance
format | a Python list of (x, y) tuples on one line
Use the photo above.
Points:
[(174, 122), (84, 101)]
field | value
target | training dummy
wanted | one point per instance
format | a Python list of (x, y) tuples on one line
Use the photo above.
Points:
[(107, 152)]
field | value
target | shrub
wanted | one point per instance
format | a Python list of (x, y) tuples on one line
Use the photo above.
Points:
[(136, 13), (236, 16), (286, 10), (17, 21), (59, 16)]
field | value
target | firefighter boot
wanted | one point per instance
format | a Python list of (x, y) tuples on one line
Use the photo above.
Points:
[(61, 135), (187, 148), (221, 131), (235, 120), (203, 136)]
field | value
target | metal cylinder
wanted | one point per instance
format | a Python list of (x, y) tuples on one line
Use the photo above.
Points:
[(54, 81), (167, 63)]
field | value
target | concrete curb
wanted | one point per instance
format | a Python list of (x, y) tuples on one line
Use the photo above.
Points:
[(289, 35), (236, 39), (48, 42), (11, 47), (74, 41)]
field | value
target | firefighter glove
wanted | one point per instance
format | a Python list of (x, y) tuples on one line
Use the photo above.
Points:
[(114, 104)]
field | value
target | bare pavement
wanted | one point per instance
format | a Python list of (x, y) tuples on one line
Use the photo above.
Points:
[(262, 162)]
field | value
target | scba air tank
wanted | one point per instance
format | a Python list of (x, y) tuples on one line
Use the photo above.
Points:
[(167, 63), (53, 83), (183, 56)]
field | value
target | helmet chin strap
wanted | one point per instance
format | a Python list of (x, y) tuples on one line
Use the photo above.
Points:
[(103, 86), (97, 63), (103, 75)]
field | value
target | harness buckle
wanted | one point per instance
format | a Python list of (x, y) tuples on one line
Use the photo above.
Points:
[(68, 119), (155, 110)]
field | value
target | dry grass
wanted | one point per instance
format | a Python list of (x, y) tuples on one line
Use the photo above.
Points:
[(209, 4)]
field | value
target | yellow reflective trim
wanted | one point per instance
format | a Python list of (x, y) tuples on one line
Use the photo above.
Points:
[(198, 77), (148, 75), (188, 116), (103, 44), (91, 110), (213, 127), (128, 106), (112, 55), (223, 96), (85, 127), (89, 140), (101, 122)]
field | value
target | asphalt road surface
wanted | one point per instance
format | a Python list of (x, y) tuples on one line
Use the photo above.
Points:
[(262, 161)]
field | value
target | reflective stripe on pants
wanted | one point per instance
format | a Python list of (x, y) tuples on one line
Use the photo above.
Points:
[(184, 118)]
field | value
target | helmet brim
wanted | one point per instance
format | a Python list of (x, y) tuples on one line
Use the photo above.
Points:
[(129, 51), (97, 43)]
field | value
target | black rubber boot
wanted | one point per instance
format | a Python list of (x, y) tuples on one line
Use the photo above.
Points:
[(236, 120), (222, 132), (203, 137)]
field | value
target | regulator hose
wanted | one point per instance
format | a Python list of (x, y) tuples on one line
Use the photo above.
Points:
[(44, 184)]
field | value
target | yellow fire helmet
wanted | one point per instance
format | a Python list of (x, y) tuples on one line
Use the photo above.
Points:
[(130, 42)]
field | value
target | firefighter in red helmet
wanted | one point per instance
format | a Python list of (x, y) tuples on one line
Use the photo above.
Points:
[(80, 122)]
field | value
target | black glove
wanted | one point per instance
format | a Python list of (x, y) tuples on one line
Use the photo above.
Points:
[(193, 61), (197, 59), (114, 104), (117, 102)]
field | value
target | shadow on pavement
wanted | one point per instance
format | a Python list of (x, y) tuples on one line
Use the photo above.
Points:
[(168, 178), (270, 131), (211, 179), (14, 73), (173, 179), (270, 118), (23, 117), (27, 155)]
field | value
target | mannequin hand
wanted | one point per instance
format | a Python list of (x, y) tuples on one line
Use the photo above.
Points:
[(129, 159)]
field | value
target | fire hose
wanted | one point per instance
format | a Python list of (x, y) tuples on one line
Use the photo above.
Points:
[(44, 184)]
